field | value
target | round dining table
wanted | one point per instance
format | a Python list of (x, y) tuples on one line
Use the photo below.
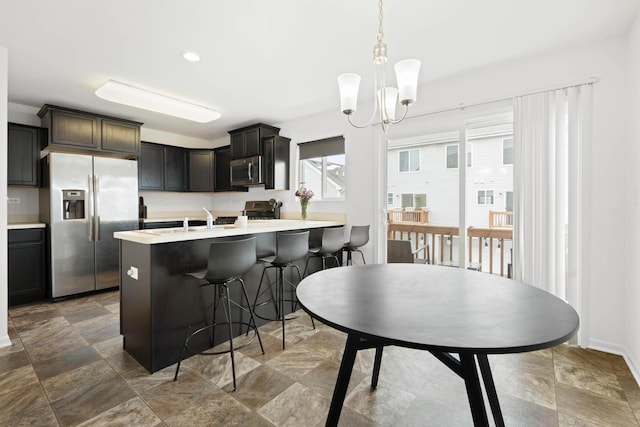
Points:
[(458, 315)]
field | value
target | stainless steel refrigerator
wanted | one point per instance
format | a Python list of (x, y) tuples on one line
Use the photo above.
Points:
[(85, 199)]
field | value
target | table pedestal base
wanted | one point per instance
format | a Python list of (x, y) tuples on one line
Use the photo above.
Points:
[(464, 366)]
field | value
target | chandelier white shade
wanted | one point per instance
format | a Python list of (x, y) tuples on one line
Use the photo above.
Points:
[(349, 84), (133, 96), (407, 78), (387, 97)]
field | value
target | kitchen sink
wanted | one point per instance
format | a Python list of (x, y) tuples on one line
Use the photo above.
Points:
[(160, 231)]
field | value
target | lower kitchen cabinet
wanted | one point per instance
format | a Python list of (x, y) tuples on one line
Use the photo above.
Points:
[(27, 266)]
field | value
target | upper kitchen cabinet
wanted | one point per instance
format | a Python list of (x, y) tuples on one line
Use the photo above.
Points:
[(201, 170), (120, 137), (276, 162), (23, 154), (151, 167), (162, 167), (81, 130), (247, 141), (175, 169)]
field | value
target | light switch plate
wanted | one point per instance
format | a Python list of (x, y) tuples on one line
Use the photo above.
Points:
[(13, 200)]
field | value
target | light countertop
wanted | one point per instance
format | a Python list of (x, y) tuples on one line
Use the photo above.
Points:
[(167, 235), (25, 225)]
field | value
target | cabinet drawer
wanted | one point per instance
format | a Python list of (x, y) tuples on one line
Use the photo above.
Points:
[(28, 235)]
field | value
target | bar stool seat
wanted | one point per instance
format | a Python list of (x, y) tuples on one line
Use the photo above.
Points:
[(359, 237), (332, 242), (290, 247), (228, 260)]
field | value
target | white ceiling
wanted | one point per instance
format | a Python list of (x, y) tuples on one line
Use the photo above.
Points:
[(269, 61)]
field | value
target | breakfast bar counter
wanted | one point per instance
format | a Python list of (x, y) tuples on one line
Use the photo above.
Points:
[(157, 294)]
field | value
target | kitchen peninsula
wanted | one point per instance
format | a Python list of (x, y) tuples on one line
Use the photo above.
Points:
[(156, 296)]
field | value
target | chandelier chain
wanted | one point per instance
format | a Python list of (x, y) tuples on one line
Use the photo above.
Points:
[(380, 16)]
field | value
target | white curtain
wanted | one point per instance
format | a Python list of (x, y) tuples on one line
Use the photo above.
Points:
[(552, 130)]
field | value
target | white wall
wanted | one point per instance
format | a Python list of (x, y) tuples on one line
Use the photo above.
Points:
[(4, 293), (632, 229)]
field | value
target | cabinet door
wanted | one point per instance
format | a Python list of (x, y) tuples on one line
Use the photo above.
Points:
[(222, 169), (23, 155), (237, 145), (252, 142), (201, 170), (175, 169), (120, 137), (276, 163), (26, 266), (74, 129), (150, 167)]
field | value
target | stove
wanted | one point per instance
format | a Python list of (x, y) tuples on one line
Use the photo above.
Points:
[(255, 210), (262, 209)]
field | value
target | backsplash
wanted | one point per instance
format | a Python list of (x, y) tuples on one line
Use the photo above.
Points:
[(28, 208)]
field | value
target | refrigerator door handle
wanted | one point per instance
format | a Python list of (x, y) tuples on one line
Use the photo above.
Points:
[(91, 209), (96, 198)]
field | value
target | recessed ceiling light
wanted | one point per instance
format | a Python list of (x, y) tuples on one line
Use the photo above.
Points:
[(191, 56), (141, 98)]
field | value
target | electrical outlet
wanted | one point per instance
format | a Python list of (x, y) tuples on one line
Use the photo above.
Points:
[(133, 273), (13, 200)]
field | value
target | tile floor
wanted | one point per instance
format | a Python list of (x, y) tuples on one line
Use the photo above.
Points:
[(67, 367)]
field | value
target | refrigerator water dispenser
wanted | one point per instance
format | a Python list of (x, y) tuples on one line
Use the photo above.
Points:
[(73, 204)]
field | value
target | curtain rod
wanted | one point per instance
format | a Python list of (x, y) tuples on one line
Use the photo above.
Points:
[(462, 106)]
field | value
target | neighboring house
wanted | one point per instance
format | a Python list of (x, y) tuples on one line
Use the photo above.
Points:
[(423, 173)]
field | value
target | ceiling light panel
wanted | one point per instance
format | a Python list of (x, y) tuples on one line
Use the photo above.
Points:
[(133, 96)]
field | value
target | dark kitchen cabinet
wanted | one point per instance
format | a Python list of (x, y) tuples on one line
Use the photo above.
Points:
[(247, 141), (119, 137), (175, 169), (276, 162), (201, 170), (23, 154), (162, 167), (222, 177), (151, 167), (81, 130), (27, 266)]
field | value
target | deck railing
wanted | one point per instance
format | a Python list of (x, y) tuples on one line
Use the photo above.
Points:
[(442, 239), (419, 215), (499, 219)]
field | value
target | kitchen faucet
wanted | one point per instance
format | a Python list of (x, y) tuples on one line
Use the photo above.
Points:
[(209, 218)]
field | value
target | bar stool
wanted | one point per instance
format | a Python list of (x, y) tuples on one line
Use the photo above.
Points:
[(228, 259), (290, 247), (332, 242), (358, 238)]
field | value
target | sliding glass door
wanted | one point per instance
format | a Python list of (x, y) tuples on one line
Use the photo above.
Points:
[(450, 188)]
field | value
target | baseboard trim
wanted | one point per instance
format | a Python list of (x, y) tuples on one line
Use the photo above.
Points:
[(612, 348), (5, 341)]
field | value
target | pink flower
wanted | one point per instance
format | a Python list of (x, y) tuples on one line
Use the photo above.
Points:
[(304, 193)]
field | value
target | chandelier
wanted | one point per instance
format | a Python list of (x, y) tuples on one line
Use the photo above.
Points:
[(386, 96)]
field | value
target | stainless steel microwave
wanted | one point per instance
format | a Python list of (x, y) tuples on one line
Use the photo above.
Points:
[(247, 171)]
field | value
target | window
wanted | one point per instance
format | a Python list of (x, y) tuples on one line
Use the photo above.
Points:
[(390, 199), (407, 200), (507, 151), (485, 197), (469, 154), (409, 161), (323, 167), (452, 156), (410, 200)]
